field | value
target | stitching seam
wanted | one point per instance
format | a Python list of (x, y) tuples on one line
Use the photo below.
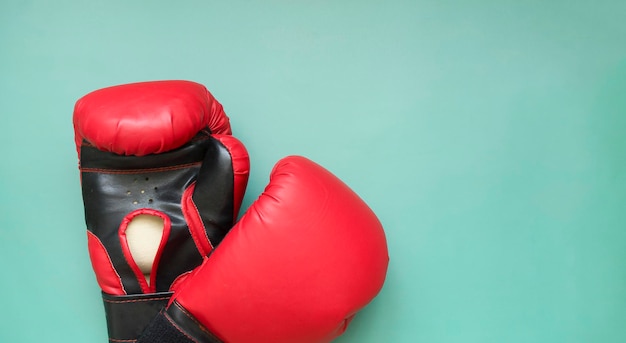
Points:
[(138, 171), (134, 301), (178, 328)]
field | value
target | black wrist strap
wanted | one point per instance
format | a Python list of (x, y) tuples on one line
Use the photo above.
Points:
[(175, 325), (128, 315)]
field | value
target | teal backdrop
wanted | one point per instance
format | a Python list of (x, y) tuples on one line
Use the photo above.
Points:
[(488, 136)]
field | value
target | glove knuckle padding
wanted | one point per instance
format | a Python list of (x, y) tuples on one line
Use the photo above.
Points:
[(166, 113), (306, 256)]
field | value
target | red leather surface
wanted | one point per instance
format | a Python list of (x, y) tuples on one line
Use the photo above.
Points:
[(194, 222), (108, 279), (307, 255), (147, 117)]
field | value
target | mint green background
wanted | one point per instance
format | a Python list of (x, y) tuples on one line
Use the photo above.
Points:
[(489, 137)]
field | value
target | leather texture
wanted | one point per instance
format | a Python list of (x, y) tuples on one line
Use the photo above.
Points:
[(300, 263), (116, 188), (145, 117), (164, 149), (175, 325), (168, 325), (128, 315)]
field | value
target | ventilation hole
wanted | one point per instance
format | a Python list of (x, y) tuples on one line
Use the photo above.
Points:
[(150, 201), (127, 192), (142, 191), (134, 180), (156, 188), (134, 202), (147, 179)]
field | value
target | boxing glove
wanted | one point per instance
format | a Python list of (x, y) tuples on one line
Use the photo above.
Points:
[(162, 182), (296, 268)]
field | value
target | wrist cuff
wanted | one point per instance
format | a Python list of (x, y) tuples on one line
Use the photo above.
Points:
[(175, 325), (128, 315)]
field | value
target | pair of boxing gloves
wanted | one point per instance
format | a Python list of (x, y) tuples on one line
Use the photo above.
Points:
[(163, 180)]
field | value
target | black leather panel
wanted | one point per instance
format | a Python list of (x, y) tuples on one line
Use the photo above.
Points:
[(216, 198), (127, 316), (114, 185), (189, 324), (175, 325)]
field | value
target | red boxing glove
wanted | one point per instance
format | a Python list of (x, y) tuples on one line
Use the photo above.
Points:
[(162, 180), (306, 256)]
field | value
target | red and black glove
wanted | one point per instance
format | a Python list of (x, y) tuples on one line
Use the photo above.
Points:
[(296, 268), (157, 157)]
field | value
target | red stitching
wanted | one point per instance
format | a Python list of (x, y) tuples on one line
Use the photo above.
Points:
[(109, 258), (192, 217), (134, 301), (196, 138), (178, 328), (128, 256), (138, 171), (200, 326)]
